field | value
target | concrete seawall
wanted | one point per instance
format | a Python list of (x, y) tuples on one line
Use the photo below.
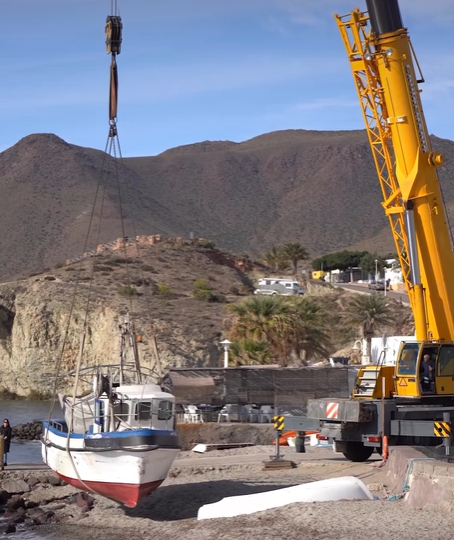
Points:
[(421, 479)]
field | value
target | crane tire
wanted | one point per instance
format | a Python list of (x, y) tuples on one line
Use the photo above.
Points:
[(357, 452)]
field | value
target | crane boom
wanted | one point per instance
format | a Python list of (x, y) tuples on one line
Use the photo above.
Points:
[(387, 75), (410, 403)]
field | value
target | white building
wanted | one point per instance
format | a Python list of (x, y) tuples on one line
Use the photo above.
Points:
[(384, 349)]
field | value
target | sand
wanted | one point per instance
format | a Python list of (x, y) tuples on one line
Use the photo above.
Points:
[(170, 513)]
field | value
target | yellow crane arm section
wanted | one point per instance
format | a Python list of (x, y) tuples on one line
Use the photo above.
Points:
[(383, 66)]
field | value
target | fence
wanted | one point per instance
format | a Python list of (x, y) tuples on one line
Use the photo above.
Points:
[(285, 388)]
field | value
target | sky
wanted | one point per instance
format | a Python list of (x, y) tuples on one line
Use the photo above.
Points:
[(196, 70)]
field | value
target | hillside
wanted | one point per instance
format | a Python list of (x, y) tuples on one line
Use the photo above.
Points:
[(317, 188), (35, 311)]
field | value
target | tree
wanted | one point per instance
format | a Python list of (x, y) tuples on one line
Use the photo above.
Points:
[(276, 259), (295, 252), (248, 352), (292, 327), (257, 317), (340, 260), (367, 263), (369, 313)]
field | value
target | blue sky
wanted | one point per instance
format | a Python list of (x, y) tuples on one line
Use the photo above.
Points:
[(194, 70)]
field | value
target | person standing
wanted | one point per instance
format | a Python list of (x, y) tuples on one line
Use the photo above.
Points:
[(7, 432)]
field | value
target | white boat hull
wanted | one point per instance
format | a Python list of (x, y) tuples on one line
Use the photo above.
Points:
[(125, 475)]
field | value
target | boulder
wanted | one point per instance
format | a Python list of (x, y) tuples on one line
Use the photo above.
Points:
[(15, 485)]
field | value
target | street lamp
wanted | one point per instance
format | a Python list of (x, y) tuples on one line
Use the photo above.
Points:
[(376, 269), (226, 344)]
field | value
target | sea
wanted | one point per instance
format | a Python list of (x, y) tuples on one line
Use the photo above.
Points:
[(22, 412)]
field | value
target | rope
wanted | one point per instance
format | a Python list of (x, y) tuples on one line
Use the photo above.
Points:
[(406, 487)]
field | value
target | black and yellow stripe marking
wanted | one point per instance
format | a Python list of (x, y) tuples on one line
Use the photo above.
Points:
[(278, 422), (442, 429)]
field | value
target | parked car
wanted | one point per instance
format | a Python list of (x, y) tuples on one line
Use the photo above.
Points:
[(377, 285), (380, 285)]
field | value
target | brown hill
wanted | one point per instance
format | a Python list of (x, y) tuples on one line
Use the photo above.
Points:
[(318, 188), (34, 311)]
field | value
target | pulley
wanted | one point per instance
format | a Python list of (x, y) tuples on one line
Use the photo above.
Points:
[(114, 27)]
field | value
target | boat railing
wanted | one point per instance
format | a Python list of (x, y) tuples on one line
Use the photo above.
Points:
[(126, 373)]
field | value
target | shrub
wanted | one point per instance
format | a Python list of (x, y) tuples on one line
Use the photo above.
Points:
[(127, 290), (203, 294), (201, 283), (163, 289)]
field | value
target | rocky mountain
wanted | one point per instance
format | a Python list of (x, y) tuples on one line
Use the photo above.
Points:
[(41, 316), (317, 188)]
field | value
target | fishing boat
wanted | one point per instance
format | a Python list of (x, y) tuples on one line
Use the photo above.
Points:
[(117, 436), (119, 439)]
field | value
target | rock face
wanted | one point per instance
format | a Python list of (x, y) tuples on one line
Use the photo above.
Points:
[(36, 326)]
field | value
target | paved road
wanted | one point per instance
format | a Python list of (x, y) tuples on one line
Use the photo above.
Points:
[(362, 289)]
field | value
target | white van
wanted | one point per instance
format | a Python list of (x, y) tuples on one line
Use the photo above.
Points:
[(281, 286)]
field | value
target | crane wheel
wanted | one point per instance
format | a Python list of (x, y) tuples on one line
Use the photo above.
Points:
[(357, 452)]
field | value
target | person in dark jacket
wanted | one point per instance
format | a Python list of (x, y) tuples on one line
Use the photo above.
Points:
[(7, 432)]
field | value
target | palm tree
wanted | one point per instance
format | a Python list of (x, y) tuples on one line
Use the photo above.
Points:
[(258, 317), (312, 329), (295, 252), (290, 327), (248, 352), (276, 259), (370, 313)]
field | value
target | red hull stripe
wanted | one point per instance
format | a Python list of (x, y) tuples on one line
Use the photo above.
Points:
[(127, 494)]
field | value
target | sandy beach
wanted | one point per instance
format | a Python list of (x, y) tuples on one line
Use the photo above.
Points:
[(197, 479)]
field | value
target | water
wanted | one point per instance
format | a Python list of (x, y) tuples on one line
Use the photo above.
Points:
[(22, 412)]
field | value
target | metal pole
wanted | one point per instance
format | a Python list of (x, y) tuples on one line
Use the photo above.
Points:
[(226, 357), (277, 453), (384, 437), (447, 440)]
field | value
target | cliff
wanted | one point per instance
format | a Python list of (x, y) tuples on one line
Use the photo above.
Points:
[(34, 312)]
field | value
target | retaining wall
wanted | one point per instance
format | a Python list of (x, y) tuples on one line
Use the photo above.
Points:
[(423, 479)]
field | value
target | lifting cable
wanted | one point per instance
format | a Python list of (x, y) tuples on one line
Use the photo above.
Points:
[(112, 157)]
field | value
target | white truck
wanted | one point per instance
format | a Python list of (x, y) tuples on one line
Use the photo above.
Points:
[(279, 286)]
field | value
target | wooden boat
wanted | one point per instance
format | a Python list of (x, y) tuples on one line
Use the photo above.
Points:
[(117, 440), (117, 437)]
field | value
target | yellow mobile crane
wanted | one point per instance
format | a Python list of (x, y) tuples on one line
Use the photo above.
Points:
[(397, 402)]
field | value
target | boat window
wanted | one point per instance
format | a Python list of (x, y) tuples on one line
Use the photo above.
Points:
[(446, 361), (121, 410), (165, 410), (143, 410), (407, 360)]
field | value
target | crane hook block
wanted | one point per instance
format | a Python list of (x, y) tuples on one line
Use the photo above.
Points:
[(114, 27)]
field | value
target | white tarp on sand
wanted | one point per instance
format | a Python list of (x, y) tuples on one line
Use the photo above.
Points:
[(333, 489)]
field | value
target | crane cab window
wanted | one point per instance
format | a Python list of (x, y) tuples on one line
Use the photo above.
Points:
[(407, 361), (446, 361)]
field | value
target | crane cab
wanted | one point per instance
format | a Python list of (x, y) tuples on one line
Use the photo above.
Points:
[(425, 368)]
